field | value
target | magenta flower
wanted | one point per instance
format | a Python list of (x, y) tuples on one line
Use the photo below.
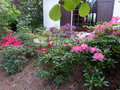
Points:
[(10, 41), (79, 39), (84, 47), (98, 56), (90, 69), (76, 48), (94, 49)]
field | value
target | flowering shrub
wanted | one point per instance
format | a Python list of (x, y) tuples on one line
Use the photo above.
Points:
[(8, 15), (63, 31), (62, 57), (14, 54), (96, 53), (10, 40), (105, 37)]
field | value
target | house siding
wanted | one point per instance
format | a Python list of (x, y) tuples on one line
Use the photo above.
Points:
[(47, 5), (116, 11), (104, 10), (66, 17)]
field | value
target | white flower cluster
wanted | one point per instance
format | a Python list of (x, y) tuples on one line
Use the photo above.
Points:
[(82, 35)]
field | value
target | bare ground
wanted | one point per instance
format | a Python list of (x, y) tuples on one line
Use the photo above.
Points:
[(26, 80)]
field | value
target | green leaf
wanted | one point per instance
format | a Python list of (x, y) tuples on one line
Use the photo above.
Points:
[(84, 9), (77, 2), (42, 38), (55, 12), (69, 5)]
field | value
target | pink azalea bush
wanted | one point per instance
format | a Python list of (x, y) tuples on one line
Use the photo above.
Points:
[(84, 47), (94, 55)]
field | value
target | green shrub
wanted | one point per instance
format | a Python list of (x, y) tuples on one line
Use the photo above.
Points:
[(8, 14), (13, 59)]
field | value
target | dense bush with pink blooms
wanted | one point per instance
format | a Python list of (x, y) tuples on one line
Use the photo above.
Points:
[(97, 52), (60, 50)]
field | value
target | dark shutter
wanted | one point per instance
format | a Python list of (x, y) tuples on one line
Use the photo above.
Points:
[(105, 10), (66, 16)]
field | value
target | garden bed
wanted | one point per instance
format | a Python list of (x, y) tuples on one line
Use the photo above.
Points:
[(26, 80)]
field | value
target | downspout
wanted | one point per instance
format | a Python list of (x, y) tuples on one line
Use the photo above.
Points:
[(71, 19)]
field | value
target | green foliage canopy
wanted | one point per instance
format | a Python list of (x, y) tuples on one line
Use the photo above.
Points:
[(70, 5), (8, 12)]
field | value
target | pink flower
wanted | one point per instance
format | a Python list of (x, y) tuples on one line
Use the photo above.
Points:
[(98, 56), (114, 20), (79, 39), (49, 39), (93, 49), (84, 47), (102, 27), (9, 32), (91, 36), (76, 48)]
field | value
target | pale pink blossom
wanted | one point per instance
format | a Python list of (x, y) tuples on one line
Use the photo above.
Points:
[(98, 56), (102, 27), (113, 21), (84, 47), (94, 49), (91, 36), (76, 48)]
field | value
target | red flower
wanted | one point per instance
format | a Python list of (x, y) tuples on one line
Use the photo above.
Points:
[(42, 49), (67, 45), (49, 39), (50, 44), (116, 34), (90, 69), (45, 50), (37, 51)]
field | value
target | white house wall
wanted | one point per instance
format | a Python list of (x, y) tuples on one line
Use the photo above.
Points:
[(47, 5), (116, 11)]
